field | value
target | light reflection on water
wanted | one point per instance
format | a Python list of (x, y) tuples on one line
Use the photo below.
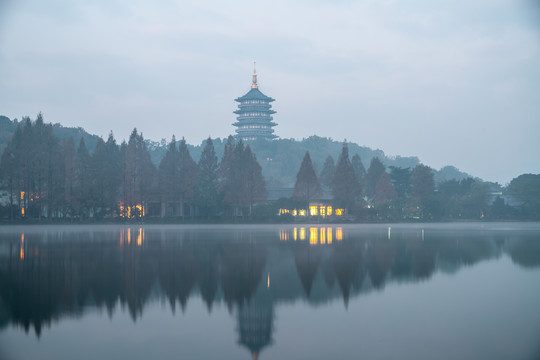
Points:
[(52, 274)]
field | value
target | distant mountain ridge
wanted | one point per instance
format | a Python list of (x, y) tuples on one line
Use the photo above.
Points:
[(280, 159)]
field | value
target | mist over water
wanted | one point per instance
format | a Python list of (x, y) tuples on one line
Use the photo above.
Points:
[(443, 291)]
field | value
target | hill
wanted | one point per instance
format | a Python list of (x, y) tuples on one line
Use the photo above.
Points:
[(280, 159)]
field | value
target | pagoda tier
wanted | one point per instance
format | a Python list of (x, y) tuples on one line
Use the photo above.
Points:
[(254, 120)]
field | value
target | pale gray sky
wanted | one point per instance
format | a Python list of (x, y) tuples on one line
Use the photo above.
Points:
[(452, 82)]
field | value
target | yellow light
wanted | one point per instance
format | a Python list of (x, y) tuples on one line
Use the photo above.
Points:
[(295, 233), (339, 234), (339, 212), (323, 235), (283, 235), (313, 238), (302, 233), (22, 237), (22, 252), (129, 235), (329, 235), (139, 237), (294, 212), (22, 211), (302, 212), (328, 210), (22, 195), (313, 210), (268, 281), (322, 211)]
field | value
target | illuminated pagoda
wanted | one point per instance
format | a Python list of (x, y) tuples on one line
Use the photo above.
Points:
[(254, 120)]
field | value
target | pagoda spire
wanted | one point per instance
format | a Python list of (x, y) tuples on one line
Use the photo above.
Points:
[(254, 85)]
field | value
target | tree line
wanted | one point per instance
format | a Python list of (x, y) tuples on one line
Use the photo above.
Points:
[(397, 194), (45, 178)]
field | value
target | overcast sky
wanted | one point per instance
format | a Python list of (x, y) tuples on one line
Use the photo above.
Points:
[(452, 82)]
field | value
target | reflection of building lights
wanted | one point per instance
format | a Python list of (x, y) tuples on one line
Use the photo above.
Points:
[(313, 210), (329, 235), (328, 210), (22, 237), (22, 195), (339, 233), (302, 233), (22, 252), (129, 236), (122, 237), (283, 235), (140, 237), (313, 238), (323, 235), (295, 234), (22, 211), (268, 281)]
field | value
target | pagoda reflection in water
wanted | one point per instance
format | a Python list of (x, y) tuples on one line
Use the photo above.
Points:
[(50, 275)]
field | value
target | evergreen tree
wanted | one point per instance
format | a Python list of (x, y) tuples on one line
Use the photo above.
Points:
[(138, 175), (307, 185), (327, 173), (254, 186), (422, 182), (169, 176), (69, 158), (401, 179), (384, 191), (206, 191), (375, 170), (358, 167), (345, 186), (83, 180), (188, 175)]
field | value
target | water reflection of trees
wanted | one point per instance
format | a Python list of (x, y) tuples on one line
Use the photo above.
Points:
[(45, 277)]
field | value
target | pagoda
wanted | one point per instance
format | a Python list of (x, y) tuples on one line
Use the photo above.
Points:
[(254, 120)]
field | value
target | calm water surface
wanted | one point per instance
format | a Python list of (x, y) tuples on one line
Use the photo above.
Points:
[(449, 291)]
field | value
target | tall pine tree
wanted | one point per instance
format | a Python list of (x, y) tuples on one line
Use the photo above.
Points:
[(307, 185), (345, 186)]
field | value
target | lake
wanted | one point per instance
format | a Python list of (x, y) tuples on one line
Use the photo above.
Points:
[(411, 291)]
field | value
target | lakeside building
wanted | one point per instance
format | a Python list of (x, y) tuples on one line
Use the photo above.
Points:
[(254, 120)]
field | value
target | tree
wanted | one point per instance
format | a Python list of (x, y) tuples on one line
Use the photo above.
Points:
[(358, 167), (242, 183), (526, 188), (422, 182), (375, 170), (327, 173), (138, 175), (206, 191), (188, 175), (422, 190), (384, 191), (345, 185), (168, 176), (307, 185), (401, 179)]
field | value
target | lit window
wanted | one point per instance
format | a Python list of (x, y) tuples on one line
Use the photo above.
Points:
[(302, 212), (322, 210), (294, 212), (313, 210), (328, 210), (339, 212)]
